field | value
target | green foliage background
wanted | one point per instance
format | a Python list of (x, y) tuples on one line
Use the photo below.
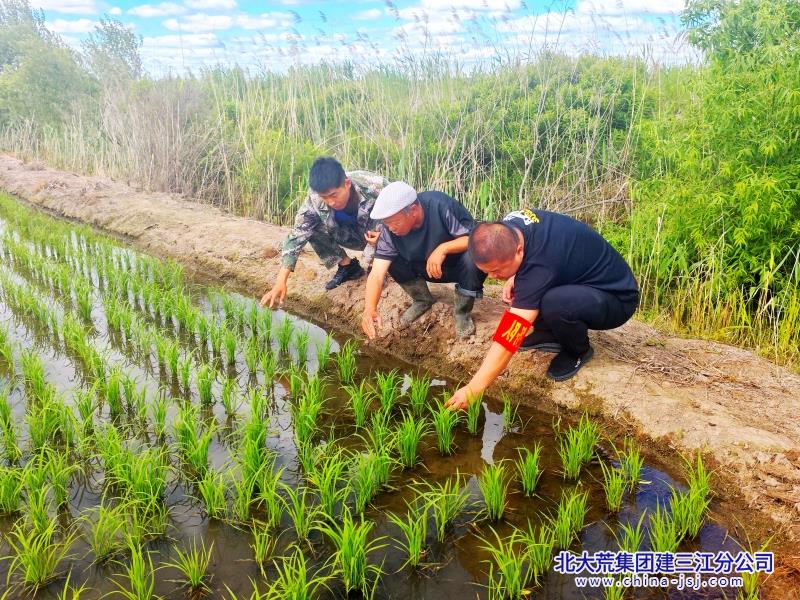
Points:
[(691, 171)]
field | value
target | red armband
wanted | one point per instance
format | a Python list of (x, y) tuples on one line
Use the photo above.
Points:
[(511, 330)]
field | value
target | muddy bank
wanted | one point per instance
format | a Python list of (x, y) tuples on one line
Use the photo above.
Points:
[(683, 395)]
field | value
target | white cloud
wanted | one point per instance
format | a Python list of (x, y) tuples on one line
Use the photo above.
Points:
[(211, 4), (496, 5), (149, 11), (202, 22), (197, 40), (74, 7), (368, 15), (115, 11), (629, 7), (76, 26)]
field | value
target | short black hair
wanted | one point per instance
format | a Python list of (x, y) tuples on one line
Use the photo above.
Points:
[(326, 173), (493, 240)]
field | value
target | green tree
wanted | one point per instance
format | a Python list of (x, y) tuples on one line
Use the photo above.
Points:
[(112, 52)]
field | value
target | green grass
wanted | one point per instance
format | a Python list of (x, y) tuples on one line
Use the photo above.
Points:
[(509, 572), (569, 519), (387, 388), (528, 469), (414, 529), (474, 413), (418, 393), (346, 361), (614, 485), (664, 534), (444, 424), (446, 501), (360, 401), (493, 483), (409, 434), (36, 555), (192, 563), (353, 547)]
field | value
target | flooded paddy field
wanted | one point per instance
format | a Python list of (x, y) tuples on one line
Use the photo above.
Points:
[(164, 438)]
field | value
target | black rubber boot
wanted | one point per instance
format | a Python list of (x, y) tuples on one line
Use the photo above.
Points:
[(462, 309), (564, 365), (422, 300), (350, 271)]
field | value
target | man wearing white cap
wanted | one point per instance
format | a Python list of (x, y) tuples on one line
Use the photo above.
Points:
[(424, 238)]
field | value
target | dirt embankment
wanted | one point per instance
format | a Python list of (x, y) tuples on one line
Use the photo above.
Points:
[(683, 395)]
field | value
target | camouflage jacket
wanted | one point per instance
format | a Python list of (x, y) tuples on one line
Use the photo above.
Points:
[(314, 214)]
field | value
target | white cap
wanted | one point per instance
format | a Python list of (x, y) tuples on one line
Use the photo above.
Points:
[(393, 198)]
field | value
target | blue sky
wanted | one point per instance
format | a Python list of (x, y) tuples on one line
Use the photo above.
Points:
[(189, 34)]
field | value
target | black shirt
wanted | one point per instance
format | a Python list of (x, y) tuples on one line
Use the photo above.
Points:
[(560, 250), (445, 220)]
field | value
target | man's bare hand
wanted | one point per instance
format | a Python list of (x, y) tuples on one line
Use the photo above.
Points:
[(508, 291), (434, 265), (460, 399), (372, 237), (370, 323), (275, 296)]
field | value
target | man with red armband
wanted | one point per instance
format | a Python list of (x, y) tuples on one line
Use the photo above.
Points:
[(562, 279)]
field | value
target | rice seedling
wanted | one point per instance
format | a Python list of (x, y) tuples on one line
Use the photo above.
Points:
[(414, 527), (364, 478), (614, 485), (446, 500), (113, 391), (407, 438), (539, 547), (105, 530), (304, 516), (6, 348), (510, 413), (444, 423), (172, 354), (196, 455), (380, 432), (346, 361), (509, 573), (388, 388), (139, 573), (293, 581), (206, 375), (33, 375), (307, 409), (301, 344), (229, 396), (360, 401), (162, 344), (570, 517), (252, 354), (159, 413), (698, 478), (212, 488), (85, 400), (263, 544), (265, 325), (61, 468), (327, 477), (474, 413), (353, 548), (418, 394), (631, 462), (83, 300), (688, 510), (37, 511), (268, 498), (185, 371), (632, 536), (216, 335), (663, 531), (493, 484), (229, 343), (324, 352), (284, 334), (528, 468), (37, 554), (69, 592), (296, 378), (243, 490), (576, 447), (192, 564), (11, 485), (269, 366)]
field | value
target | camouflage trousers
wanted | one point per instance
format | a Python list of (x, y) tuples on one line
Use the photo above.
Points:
[(329, 246)]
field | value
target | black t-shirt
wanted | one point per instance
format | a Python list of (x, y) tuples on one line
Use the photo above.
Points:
[(560, 250), (445, 220)]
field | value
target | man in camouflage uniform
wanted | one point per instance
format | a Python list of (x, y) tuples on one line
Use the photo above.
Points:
[(334, 216)]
